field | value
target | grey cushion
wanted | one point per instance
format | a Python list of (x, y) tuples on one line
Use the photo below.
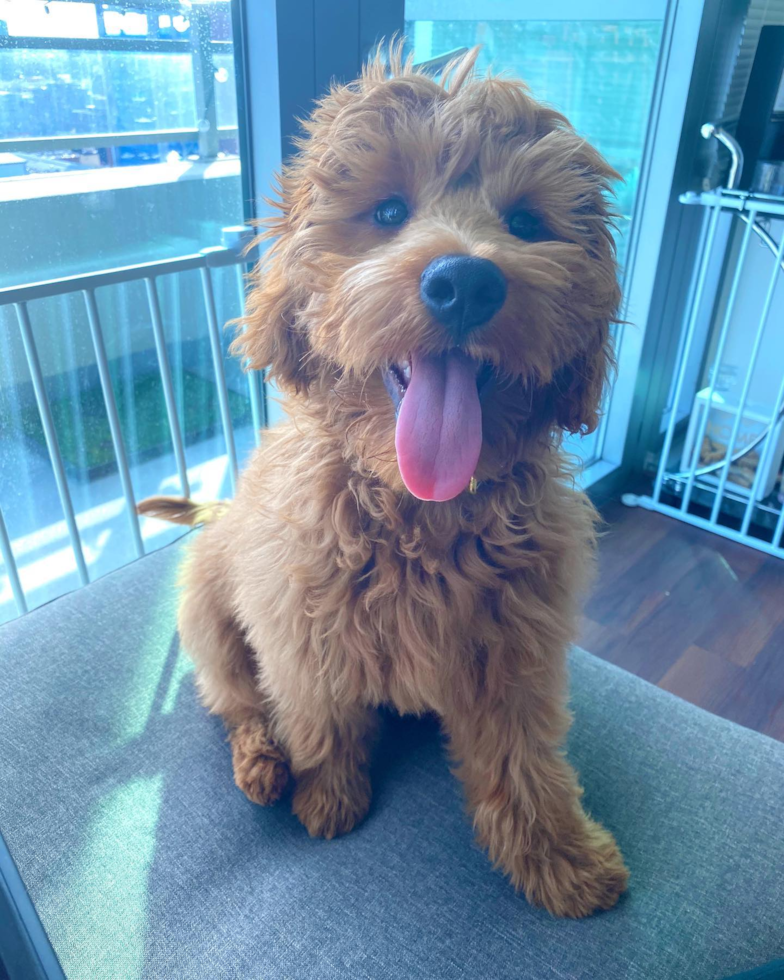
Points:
[(117, 802)]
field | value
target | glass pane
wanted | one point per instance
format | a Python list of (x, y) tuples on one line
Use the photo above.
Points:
[(114, 198), (599, 71), (70, 93), (70, 72), (158, 72)]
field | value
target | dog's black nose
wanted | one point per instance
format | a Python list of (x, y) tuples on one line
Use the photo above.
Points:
[(462, 292)]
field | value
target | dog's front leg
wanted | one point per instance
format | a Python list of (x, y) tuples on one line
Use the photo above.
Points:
[(526, 804), (328, 748)]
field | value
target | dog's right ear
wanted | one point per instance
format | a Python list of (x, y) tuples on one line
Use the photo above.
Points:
[(271, 334), (268, 334)]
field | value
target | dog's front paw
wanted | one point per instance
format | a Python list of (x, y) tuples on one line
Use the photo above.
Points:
[(260, 769), (326, 811), (577, 879)]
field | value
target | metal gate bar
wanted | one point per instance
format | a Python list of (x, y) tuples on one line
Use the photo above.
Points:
[(114, 419), (7, 554), (647, 503), (763, 322), (725, 328), (220, 375), (164, 370), (690, 333), (257, 407), (50, 434)]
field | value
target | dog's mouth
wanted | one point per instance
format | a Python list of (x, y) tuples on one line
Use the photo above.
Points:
[(438, 436)]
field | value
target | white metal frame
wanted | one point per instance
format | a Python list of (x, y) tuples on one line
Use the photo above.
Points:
[(264, 53), (39, 144), (746, 207)]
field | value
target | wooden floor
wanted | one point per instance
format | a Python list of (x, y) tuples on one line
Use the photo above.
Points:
[(697, 615)]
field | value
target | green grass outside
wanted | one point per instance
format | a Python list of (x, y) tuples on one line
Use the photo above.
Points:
[(85, 438)]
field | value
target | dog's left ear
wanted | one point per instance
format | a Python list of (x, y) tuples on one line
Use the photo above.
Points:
[(579, 385)]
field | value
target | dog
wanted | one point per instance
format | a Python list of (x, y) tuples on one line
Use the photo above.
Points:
[(436, 306)]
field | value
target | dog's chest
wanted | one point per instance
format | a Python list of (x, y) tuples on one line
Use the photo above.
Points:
[(413, 613), (435, 616)]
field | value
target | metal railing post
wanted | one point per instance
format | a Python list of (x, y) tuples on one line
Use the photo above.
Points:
[(166, 381), (240, 239), (204, 83), (7, 553), (114, 419), (217, 363), (255, 389), (50, 434)]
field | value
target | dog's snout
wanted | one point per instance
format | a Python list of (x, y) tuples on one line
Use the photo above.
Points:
[(462, 292)]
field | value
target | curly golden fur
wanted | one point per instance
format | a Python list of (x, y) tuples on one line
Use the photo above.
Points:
[(326, 589)]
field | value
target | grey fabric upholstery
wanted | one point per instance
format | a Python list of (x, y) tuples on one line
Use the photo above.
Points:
[(143, 860)]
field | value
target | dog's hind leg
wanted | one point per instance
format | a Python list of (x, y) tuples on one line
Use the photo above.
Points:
[(226, 675)]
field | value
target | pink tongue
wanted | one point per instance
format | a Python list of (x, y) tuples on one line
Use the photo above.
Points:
[(439, 428)]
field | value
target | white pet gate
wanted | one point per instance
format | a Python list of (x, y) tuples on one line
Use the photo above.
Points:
[(720, 464)]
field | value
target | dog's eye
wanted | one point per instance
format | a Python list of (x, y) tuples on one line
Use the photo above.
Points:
[(525, 225), (391, 212)]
